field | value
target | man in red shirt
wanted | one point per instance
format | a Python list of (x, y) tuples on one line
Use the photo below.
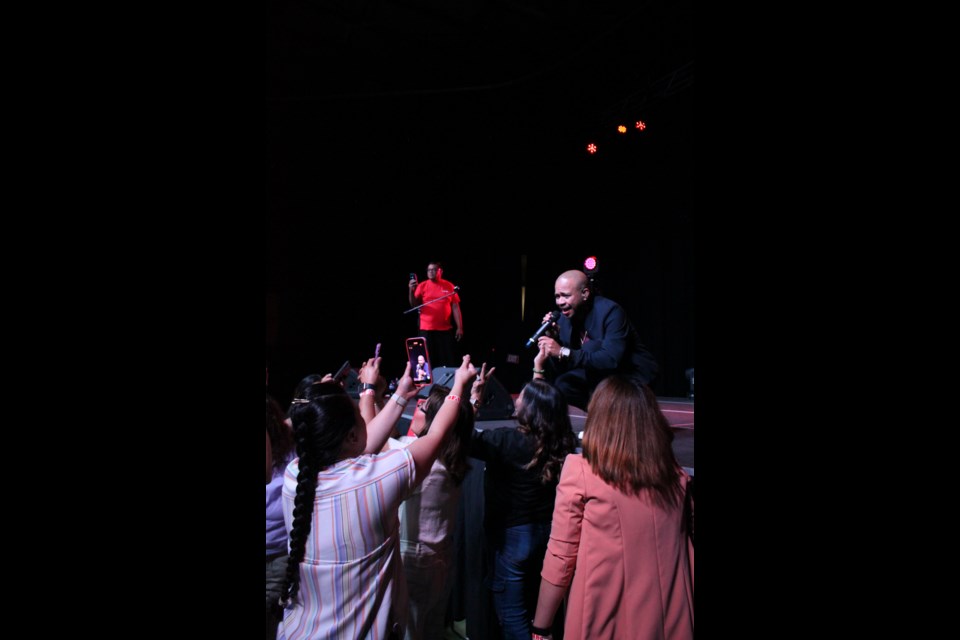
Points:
[(435, 317)]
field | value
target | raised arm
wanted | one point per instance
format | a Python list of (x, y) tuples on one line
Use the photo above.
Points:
[(412, 286), (426, 448), (540, 361), (381, 426), (479, 385)]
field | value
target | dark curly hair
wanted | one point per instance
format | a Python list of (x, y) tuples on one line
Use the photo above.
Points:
[(543, 413)]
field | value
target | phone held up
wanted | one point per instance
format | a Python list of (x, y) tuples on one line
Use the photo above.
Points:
[(342, 371), (419, 358)]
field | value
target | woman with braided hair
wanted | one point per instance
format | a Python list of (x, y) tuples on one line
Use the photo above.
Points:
[(340, 504)]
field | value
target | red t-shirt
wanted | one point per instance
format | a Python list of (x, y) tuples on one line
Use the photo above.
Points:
[(436, 316)]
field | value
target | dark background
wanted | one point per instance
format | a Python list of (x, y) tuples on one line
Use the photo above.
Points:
[(463, 127), (333, 307)]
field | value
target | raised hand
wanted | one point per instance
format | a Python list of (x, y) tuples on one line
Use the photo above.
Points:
[(405, 386), (466, 373), (476, 393), (542, 355), (370, 371)]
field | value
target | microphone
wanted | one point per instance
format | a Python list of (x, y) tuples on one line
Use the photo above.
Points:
[(546, 325), (456, 288)]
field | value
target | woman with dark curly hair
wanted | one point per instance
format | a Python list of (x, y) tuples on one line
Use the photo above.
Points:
[(523, 468)]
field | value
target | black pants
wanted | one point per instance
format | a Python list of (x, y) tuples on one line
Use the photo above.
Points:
[(442, 348), (577, 386)]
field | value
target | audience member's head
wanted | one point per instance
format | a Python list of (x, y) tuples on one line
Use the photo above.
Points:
[(453, 451), (543, 413), (627, 441)]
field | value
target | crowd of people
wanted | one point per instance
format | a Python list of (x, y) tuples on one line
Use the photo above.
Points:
[(582, 543)]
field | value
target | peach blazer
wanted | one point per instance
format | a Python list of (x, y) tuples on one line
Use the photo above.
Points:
[(629, 564)]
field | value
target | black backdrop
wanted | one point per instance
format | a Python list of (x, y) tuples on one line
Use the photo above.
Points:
[(328, 304), (394, 138)]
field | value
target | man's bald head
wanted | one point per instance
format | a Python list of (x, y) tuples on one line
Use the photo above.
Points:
[(577, 279), (570, 291)]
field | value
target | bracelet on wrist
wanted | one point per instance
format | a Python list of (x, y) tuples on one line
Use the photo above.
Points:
[(368, 392), (535, 370), (366, 385), (539, 631), (453, 397), (400, 400)]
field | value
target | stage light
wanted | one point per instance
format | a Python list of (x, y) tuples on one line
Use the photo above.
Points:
[(591, 148), (622, 129), (641, 125), (591, 267)]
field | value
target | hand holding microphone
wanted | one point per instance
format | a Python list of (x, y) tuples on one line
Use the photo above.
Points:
[(548, 322)]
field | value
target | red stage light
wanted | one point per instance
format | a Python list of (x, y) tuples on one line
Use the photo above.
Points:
[(590, 263), (641, 125), (591, 148)]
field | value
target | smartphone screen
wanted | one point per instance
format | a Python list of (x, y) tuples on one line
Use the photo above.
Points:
[(420, 369)]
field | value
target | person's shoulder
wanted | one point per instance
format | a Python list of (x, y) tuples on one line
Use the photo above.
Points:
[(387, 457), (606, 305), (493, 435), (575, 465), (400, 443)]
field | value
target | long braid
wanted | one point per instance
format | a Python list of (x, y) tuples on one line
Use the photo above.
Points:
[(321, 421), (302, 512)]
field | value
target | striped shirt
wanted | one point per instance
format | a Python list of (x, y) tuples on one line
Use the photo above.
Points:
[(351, 577)]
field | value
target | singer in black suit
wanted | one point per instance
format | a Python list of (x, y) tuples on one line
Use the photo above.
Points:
[(594, 339)]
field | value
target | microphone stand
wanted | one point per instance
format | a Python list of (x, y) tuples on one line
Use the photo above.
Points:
[(455, 290)]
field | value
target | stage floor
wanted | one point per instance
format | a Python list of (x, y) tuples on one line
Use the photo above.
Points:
[(679, 412)]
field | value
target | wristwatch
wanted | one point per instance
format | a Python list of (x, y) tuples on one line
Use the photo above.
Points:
[(564, 353)]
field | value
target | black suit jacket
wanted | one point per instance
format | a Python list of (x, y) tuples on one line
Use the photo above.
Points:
[(612, 346)]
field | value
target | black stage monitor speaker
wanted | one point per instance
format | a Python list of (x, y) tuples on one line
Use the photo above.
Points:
[(497, 403)]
